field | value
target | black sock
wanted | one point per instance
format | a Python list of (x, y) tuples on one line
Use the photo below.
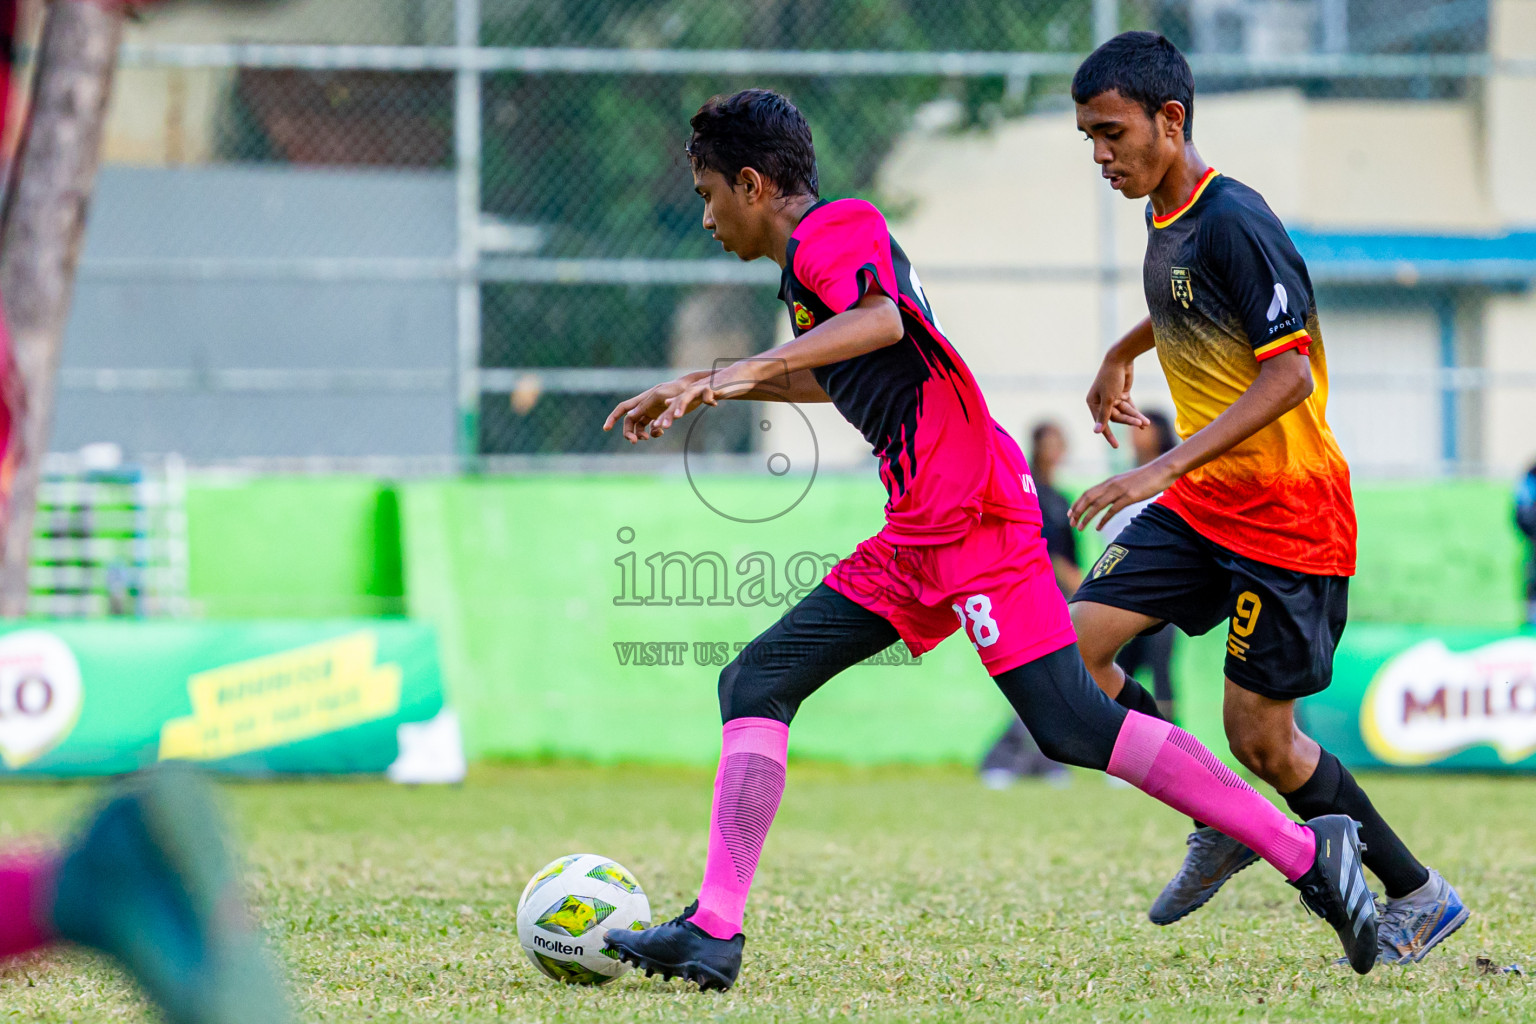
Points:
[(1135, 697), (1332, 790)]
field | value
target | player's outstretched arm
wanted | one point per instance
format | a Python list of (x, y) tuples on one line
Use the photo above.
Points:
[(1284, 382), (1109, 398), (638, 414), (873, 323), (798, 387)]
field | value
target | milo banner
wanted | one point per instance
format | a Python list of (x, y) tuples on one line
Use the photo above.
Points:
[(1417, 697), (255, 698)]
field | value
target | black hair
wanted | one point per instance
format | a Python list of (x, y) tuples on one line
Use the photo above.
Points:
[(755, 128), (1143, 67), (1167, 440)]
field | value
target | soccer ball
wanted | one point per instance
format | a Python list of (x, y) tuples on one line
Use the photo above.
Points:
[(568, 907)]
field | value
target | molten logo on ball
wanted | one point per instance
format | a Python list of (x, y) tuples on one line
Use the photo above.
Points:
[(556, 946)]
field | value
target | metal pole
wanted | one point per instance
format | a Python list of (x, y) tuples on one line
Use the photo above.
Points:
[(1106, 20), (1106, 25), (1450, 397), (1333, 26), (466, 152)]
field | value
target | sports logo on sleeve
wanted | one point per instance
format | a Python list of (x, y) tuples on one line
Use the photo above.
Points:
[(1279, 304), (804, 318), (1183, 290)]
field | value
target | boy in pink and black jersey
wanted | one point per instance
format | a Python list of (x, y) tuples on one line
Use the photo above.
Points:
[(942, 458), (962, 507), (961, 548)]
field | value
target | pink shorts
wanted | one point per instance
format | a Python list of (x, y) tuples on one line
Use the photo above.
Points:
[(996, 584)]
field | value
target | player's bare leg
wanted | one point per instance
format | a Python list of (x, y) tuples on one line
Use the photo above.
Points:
[(1421, 908), (1101, 631), (1264, 737)]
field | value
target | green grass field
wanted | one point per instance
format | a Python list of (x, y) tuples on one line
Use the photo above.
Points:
[(896, 894)]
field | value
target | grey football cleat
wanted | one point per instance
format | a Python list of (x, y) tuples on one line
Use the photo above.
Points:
[(1412, 925), (1211, 859), (1334, 889)]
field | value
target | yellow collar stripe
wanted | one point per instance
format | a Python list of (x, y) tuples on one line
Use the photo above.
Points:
[(1194, 197)]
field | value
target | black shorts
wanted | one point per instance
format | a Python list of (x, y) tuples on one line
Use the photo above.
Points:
[(1282, 625)]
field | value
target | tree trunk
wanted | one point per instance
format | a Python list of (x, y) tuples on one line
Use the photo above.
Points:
[(44, 222)]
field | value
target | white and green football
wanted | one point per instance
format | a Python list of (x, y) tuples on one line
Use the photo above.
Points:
[(569, 906)]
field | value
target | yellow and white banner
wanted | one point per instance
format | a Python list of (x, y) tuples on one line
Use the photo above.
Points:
[(252, 698)]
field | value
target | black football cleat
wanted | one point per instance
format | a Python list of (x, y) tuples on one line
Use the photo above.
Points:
[(1334, 889), (681, 948)]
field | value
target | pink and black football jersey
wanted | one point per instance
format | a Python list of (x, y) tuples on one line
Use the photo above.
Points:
[(943, 460)]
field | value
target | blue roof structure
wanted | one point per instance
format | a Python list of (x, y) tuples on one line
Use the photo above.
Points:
[(1493, 261)]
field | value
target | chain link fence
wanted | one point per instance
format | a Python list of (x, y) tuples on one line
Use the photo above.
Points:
[(454, 232)]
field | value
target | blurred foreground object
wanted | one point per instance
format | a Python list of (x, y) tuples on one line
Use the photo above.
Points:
[(43, 223), (150, 882)]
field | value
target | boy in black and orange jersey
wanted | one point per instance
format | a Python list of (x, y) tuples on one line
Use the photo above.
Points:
[(1255, 526)]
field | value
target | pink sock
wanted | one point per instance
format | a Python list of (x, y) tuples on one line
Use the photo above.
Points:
[(26, 884), (1168, 763), (748, 785)]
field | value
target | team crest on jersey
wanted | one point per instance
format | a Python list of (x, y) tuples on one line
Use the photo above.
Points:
[(804, 318), (1111, 557), (1183, 291)]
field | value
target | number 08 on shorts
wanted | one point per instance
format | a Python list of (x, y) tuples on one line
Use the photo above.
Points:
[(995, 585)]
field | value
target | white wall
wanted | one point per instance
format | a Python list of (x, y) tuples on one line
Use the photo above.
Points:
[(1386, 425)]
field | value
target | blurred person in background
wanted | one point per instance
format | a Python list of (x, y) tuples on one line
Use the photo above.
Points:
[(1525, 518), (1016, 755), (1047, 451), (1153, 651)]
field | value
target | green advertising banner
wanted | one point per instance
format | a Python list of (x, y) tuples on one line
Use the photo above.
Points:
[(1421, 697), (589, 616), (100, 698), (591, 620)]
